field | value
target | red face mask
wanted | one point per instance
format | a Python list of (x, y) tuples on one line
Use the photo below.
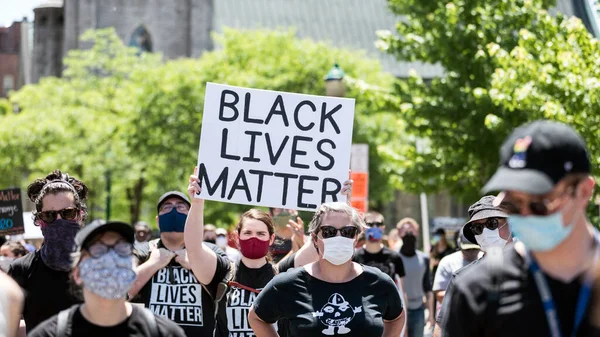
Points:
[(254, 248)]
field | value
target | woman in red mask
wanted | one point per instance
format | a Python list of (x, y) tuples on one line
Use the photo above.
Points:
[(255, 233)]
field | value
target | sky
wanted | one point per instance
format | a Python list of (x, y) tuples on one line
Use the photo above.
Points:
[(15, 10)]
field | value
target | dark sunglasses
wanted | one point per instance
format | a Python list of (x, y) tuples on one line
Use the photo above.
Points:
[(69, 213), (491, 224), (330, 231), (98, 249), (540, 207), (374, 224)]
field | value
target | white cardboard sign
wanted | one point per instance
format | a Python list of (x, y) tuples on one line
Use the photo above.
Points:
[(274, 149)]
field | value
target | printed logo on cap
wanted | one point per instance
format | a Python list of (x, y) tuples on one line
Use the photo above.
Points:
[(518, 160)]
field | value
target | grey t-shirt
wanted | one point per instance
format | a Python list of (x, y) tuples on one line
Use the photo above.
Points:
[(416, 282), (448, 265)]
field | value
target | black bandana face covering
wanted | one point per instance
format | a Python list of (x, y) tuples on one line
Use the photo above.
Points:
[(409, 245), (59, 239)]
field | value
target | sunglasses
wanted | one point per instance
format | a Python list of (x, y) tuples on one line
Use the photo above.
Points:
[(98, 249), (330, 231), (541, 206), (374, 224), (491, 224), (69, 213)]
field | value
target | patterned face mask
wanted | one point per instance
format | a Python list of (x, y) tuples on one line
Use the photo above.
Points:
[(109, 276)]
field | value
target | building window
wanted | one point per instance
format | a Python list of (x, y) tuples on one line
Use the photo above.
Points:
[(8, 84), (141, 39)]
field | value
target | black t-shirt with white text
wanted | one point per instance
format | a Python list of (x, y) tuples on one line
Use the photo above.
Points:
[(318, 308), (47, 291), (386, 260), (240, 300), (175, 293), (135, 325), (520, 312)]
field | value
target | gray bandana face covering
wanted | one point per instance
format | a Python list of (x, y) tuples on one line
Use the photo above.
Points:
[(110, 276)]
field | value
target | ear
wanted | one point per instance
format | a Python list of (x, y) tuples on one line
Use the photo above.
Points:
[(586, 189), (272, 239), (76, 277)]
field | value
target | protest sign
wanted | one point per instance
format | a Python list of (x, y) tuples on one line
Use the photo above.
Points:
[(275, 149), (11, 212)]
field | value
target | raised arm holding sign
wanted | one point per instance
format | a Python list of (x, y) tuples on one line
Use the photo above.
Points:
[(274, 149)]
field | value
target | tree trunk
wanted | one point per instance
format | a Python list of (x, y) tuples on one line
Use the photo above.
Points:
[(134, 194)]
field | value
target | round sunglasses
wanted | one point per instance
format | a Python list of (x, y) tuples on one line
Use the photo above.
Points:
[(122, 248), (491, 224), (69, 213), (330, 231)]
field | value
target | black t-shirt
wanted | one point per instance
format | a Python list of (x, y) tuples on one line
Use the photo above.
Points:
[(318, 308), (280, 248), (439, 318), (240, 300), (286, 264), (135, 325), (47, 291), (386, 260), (175, 293), (520, 310)]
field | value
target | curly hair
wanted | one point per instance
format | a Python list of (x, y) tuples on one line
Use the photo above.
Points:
[(54, 183), (16, 248)]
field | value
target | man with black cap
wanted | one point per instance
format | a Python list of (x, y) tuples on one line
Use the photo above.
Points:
[(165, 282), (542, 288)]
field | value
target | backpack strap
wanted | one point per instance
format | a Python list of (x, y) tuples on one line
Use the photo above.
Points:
[(495, 259), (63, 328), (151, 320)]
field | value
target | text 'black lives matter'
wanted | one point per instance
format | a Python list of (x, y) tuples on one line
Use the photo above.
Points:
[(177, 295)]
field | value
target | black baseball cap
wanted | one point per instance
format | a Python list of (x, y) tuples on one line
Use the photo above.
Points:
[(90, 231), (172, 194), (482, 209), (538, 155)]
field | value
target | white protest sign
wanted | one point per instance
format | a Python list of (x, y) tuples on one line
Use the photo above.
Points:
[(275, 149)]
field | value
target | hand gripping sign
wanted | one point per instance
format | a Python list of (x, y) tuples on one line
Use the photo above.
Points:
[(275, 149)]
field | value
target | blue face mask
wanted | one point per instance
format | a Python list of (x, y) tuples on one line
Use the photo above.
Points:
[(374, 233), (540, 233), (172, 221)]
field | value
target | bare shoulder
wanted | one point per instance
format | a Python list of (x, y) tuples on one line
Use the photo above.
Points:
[(11, 288)]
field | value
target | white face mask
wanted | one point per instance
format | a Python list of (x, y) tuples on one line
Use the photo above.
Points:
[(338, 249), (5, 262), (490, 238), (221, 241)]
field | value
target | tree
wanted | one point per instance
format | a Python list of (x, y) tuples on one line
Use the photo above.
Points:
[(459, 115), (139, 118)]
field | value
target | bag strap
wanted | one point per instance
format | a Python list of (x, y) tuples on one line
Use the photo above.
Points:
[(495, 260), (62, 322), (151, 320)]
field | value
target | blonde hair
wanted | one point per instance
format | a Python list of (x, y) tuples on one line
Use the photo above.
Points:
[(338, 207)]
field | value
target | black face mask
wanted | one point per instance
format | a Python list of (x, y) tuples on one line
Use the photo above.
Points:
[(409, 245), (211, 240)]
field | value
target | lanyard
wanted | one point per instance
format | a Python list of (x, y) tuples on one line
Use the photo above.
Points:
[(548, 301)]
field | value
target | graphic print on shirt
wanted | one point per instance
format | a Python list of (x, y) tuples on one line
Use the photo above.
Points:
[(177, 295), (238, 306), (336, 313)]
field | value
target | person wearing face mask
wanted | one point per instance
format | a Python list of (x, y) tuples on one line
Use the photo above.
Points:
[(255, 233), (9, 252), (223, 243), (60, 211), (333, 296), (417, 280), (484, 217), (440, 248), (142, 232), (542, 288), (164, 271), (103, 267)]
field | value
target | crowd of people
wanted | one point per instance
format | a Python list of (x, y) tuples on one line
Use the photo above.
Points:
[(525, 263)]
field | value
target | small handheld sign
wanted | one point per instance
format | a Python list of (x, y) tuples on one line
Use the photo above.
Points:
[(274, 149), (11, 212)]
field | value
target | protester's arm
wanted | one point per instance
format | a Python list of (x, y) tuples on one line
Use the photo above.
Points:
[(307, 254), (260, 327), (202, 259), (437, 331), (441, 279), (14, 302), (394, 316), (429, 303), (394, 328), (159, 258)]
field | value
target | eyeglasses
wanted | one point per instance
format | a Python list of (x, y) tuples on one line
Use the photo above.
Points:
[(374, 224), (69, 213), (540, 206), (491, 224), (330, 231), (122, 248), (169, 207)]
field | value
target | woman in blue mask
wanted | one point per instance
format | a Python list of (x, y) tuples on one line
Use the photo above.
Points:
[(103, 267), (60, 211)]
